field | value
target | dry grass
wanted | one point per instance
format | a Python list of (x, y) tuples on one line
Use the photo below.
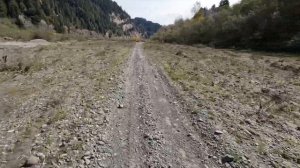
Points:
[(59, 115), (227, 87), (9, 29)]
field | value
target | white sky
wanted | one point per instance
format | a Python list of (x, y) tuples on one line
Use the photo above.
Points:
[(163, 11)]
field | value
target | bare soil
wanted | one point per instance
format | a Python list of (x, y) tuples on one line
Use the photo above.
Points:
[(120, 104)]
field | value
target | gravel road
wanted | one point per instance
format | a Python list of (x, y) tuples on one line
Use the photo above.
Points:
[(149, 128)]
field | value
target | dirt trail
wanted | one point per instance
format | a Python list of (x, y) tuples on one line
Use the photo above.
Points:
[(151, 129)]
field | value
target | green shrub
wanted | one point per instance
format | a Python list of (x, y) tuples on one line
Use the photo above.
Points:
[(257, 24)]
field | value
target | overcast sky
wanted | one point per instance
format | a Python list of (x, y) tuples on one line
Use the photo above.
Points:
[(163, 11)]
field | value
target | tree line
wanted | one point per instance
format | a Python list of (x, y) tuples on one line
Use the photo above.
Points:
[(83, 14), (256, 24)]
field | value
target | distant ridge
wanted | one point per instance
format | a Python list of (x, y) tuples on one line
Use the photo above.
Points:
[(147, 27)]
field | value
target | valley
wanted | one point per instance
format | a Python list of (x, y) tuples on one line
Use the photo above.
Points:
[(149, 84), (105, 103)]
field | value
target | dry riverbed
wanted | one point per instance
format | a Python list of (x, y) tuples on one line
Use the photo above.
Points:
[(245, 105), (120, 104), (54, 101)]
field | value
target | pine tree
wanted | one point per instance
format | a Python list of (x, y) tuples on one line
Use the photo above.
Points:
[(83, 14), (224, 3), (22, 6), (13, 7), (3, 9)]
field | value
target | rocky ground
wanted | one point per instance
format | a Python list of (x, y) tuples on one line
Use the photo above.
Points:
[(152, 129), (245, 105), (120, 104), (55, 100)]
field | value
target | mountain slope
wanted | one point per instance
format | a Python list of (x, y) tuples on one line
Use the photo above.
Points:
[(148, 28), (96, 15), (102, 16)]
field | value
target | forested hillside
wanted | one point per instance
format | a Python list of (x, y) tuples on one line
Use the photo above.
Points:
[(147, 27), (257, 24), (96, 15)]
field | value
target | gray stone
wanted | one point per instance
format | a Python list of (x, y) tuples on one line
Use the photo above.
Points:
[(248, 121), (88, 153), (101, 143), (106, 110), (11, 131), (87, 161), (41, 156), (200, 120), (31, 161), (227, 165), (227, 159), (265, 90), (44, 126), (146, 136), (120, 106), (218, 132)]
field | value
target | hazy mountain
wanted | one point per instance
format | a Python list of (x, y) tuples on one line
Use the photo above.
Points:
[(147, 27)]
